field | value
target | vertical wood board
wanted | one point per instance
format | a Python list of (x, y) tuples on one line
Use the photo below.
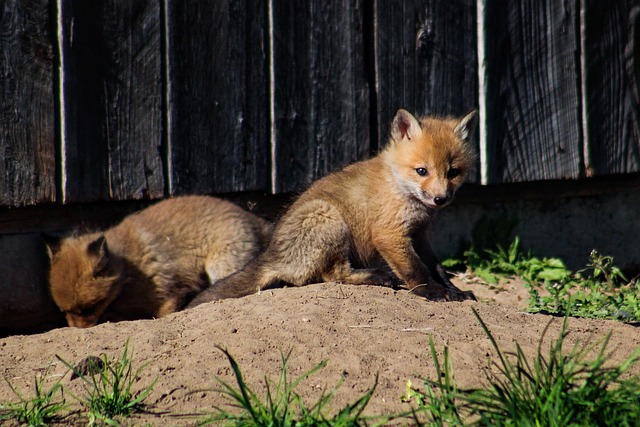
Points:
[(219, 102), (113, 93), (612, 52), (533, 90), (321, 94), (27, 103), (426, 59)]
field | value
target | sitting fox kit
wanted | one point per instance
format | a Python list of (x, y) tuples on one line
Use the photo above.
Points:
[(154, 261), (370, 219)]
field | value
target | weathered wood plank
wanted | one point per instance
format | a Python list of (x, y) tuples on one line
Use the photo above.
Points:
[(219, 103), (113, 92), (27, 103), (533, 90), (321, 95), (612, 57), (426, 58)]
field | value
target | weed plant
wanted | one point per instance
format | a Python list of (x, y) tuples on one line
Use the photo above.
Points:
[(283, 407), (441, 400), (598, 291), (493, 264), (39, 410), (554, 389), (110, 390)]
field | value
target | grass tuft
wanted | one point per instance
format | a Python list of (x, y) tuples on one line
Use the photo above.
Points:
[(556, 388), (110, 390), (441, 399), (282, 406), (39, 410), (600, 290)]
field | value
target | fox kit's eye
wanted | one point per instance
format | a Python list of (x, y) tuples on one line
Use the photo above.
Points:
[(453, 172), (421, 171)]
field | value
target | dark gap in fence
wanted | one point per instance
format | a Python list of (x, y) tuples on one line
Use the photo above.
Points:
[(580, 85), (369, 34), (164, 149)]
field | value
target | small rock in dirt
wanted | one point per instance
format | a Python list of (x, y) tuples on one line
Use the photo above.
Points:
[(90, 365)]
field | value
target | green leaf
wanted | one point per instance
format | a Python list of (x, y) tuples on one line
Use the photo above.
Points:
[(552, 274), (513, 250), (451, 263), (487, 276), (555, 263)]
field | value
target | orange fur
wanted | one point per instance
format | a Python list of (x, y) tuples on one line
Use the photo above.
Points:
[(154, 261), (367, 223)]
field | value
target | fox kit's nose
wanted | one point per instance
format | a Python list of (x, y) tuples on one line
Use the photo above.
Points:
[(440, 201)]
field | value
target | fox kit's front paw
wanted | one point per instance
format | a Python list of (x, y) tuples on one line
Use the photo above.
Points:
[(437, 292), (432, 292), (458, 295), (390, 280)]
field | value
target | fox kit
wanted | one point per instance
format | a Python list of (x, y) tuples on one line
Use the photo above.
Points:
[(355, 225), (154, 261)]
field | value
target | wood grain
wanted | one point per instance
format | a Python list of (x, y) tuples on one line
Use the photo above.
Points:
[(321, 93), (612, 52), (167, 97), (113, 94), (27, 104), (533, 90), (219, 102), (426, 58)]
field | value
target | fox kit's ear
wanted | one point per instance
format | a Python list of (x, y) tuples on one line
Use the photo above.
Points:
[(52, 243), (467, 126), (405, 126), (100, 250)]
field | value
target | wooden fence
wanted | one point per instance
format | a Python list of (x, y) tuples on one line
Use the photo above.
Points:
[(131, 99)]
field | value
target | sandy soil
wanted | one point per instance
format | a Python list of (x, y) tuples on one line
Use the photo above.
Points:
[(362, 331)]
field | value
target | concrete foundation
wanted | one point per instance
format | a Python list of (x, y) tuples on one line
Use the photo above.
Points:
[(568, 228)]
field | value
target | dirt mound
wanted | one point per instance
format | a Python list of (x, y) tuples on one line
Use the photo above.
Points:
[(362, 331)]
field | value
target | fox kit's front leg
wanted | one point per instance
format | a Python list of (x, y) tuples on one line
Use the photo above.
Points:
[(429, 258), (422, 279), (399, 254)]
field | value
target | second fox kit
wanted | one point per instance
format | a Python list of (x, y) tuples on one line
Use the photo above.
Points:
[(355, 225), (154, 261)]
